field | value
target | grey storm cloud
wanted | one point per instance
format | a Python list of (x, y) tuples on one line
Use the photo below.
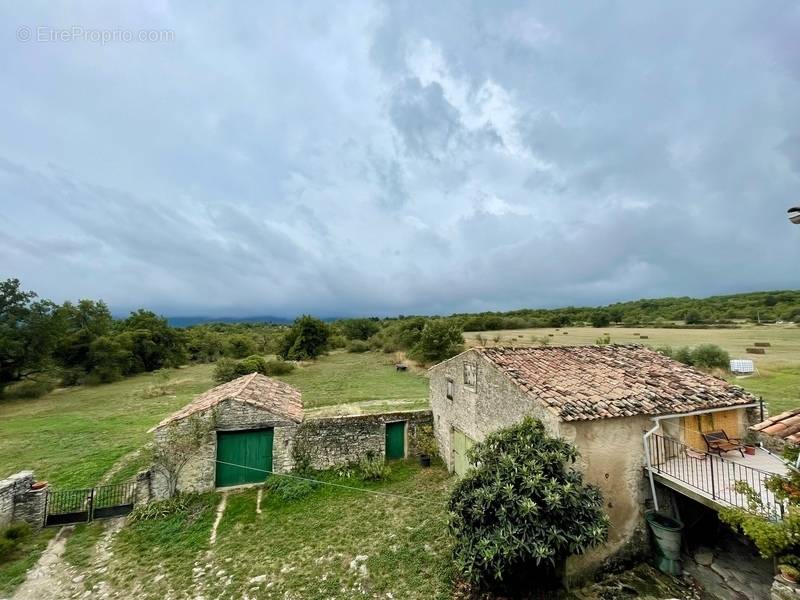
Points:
[(399, 157)]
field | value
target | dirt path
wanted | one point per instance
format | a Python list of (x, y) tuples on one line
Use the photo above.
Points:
[(41, 580), (52, 578)]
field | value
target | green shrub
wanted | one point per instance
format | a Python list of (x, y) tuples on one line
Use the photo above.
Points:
[(306, 339), (225, 370), (278, 367), (522, 510), (371, 468), (357, 346), (11, 538), (29, 389), (440, 339), (252, 364), (289, 488), (684, 355), (16, 531), (162, 509), (710, 356)]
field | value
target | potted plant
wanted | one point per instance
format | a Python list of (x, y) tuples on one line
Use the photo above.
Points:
[(788, 572), (426, 445), (750, 442)]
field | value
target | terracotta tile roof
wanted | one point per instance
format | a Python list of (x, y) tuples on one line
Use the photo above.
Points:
[(785, 426), (598, 382), (255, 389)]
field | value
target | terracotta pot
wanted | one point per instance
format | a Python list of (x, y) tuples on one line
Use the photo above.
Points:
[(749, 449), (787, 576), (38, 485)]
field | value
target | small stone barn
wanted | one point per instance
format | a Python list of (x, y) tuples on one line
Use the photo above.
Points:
[(256, 426), (255, 418), (602, 399)]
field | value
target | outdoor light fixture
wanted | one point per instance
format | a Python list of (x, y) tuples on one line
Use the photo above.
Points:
[(794, 215)]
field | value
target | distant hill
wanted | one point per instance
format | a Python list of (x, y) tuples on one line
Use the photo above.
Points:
[(189, 321), (758, 307)]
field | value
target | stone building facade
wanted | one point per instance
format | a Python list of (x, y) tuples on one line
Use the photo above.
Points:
[(256, 403), (600, 399)]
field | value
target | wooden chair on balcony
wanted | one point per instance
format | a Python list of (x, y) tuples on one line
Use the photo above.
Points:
[(719, 442)]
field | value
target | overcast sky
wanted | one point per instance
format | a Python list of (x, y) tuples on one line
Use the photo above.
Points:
[(368, 158)]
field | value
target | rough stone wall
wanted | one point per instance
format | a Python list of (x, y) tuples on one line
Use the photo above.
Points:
[(494, 403), (18, 502), (199, 474), (329, 442), (334, 441)]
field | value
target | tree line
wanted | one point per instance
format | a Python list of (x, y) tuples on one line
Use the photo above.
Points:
[(43, 343)]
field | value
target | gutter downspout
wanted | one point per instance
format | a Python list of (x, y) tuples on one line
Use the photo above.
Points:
[(656, 421), (646, 439)]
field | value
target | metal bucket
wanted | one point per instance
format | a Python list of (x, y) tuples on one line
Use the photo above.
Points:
[(667, 534)]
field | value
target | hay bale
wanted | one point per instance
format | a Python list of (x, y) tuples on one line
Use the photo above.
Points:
[(755, 350), (550, 334), (762, 344), (644, 337), (565, 332)]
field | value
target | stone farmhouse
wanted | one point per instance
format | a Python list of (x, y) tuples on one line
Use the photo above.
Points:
[(258, 426), (612, 402)]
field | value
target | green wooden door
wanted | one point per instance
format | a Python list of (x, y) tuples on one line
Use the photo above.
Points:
[(396, 440), (238, 450), (460, 443)]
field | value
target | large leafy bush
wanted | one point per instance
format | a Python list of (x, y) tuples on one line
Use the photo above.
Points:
[(523, 509), (306, 339)]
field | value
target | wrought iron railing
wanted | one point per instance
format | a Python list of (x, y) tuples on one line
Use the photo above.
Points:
[(713, 475)]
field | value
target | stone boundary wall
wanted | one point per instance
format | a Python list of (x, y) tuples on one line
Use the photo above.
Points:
[(324, 442), (334, 441), (18, 502)]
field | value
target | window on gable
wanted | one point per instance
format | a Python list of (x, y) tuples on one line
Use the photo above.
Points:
[(449, 389), (470, 374)]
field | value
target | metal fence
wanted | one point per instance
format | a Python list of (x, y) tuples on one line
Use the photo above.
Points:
[(714, 476), (86, 504)]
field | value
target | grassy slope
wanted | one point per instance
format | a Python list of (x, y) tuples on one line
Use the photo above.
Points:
[(343, 383), (13, 569), (304, 548), (72, 437)]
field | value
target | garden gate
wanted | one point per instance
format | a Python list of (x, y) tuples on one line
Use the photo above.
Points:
[(87, 504)]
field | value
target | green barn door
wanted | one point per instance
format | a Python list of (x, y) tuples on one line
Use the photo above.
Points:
[(237, 450), (396, 440)]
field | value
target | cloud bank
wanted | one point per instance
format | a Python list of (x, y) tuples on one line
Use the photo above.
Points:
[(347, 159)]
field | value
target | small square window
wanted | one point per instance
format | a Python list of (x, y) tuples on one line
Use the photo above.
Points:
[(449, 389), (470, 374)]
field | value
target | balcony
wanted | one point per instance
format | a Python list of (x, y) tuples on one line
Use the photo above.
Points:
[(711, 479)]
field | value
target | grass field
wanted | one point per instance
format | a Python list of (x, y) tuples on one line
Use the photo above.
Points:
[(351, 383), (72, 437), (335, 543)]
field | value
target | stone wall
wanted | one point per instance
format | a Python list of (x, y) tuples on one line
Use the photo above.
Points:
[(334, 441), (18, 502), (329, 442), (493, 403)]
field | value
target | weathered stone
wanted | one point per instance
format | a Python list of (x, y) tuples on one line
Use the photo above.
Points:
[(329, 442), (704, 557)]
